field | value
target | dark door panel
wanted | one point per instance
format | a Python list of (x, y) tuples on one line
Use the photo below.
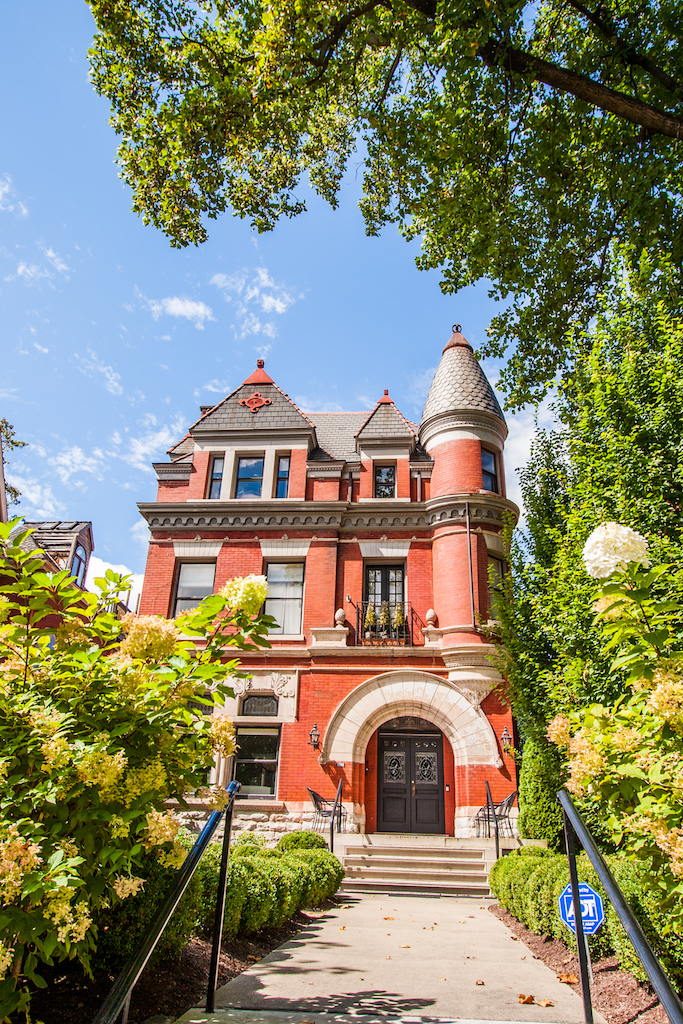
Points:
[(410, 784)]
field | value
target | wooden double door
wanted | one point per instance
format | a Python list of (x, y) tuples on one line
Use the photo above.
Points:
[(410, 790)]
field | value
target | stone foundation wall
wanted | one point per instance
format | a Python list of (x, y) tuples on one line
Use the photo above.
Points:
[(271, 820)]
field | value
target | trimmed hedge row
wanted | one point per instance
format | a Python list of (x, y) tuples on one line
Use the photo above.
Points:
[(528, 882), (265, 887)]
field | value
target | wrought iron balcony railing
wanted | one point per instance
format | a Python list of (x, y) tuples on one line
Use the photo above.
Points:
[(383, 624)]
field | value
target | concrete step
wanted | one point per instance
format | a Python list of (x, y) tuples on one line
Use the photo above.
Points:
[(435, 870), (425, 888), (432, 863), (416, 875), (412, 851)]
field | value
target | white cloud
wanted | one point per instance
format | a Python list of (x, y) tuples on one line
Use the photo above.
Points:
[(98, 567), (8, 198), (177, 306), (255, 292), (141, 451), (40, 347), (140, 533), (522, 427), (33, 273), (56, 261), (94, 365), (315, 405), (73, 461), (37, 499), (217, 387)]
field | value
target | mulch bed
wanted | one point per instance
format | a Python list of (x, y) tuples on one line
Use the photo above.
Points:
[(166, 988), (616, 993)]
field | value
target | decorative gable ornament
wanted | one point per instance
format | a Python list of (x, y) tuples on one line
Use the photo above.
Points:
[(256, 402)]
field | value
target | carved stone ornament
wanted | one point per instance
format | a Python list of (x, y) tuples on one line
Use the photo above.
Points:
[(256, 402), (240, 686), (474, 690), (282, 685)]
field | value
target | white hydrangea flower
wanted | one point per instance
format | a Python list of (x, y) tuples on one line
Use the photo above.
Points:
[(611, 547), (246, 592)]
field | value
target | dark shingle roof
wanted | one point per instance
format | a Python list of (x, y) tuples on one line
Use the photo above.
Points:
[(385, 421), (182, 449), (229, 415), (336, 432), (460, 383)]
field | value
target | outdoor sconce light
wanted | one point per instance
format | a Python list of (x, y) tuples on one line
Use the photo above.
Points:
[(505, 739), (314, 737)]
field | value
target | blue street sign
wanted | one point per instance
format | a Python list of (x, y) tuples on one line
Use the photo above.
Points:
[(592, 910)]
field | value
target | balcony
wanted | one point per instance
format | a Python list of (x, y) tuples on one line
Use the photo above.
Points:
[(383, 624)]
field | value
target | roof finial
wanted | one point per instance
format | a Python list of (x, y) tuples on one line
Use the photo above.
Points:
[(457, 328), (259, 363), (386, 391), (457, 340)]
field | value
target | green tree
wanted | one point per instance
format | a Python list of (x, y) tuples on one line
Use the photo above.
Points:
[(518, 141), (7, 443)]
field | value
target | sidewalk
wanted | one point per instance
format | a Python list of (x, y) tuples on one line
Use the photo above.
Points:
[(400, 956)]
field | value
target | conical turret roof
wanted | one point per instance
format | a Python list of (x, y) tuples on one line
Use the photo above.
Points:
[(460, 384)]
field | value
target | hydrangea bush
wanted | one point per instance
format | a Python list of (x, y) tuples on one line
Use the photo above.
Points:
[(627, 759), (101, 721)]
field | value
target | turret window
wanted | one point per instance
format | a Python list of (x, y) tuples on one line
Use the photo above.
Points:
[(385, 481), (249, 478), (489, 471)]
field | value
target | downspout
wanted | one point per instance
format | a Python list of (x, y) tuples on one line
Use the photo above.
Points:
[(469, 561)]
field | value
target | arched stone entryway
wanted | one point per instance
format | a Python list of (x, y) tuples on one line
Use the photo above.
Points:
[(395, 694)]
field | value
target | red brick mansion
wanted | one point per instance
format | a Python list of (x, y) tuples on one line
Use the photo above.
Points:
[(376, 536)]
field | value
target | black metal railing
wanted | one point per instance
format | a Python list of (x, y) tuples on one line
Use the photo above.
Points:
[(336, 814), (492, 817), (575, 827), (383, 624), (117, 1004)]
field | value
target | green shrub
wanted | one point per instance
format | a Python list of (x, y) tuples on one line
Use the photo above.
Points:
[(267, 851), (324, 874), (289, 881), (540, 777), (120, 929), (534, 851), (540, 906), (259, 909), (302, 840), (247, 839)]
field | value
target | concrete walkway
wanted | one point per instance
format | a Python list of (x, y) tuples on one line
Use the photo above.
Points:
[(406, 957)]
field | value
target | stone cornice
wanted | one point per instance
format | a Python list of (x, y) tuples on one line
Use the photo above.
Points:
[(475, 419), (485, 507), (172, 470)]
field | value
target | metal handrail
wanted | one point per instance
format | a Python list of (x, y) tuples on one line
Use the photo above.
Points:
[(336, 811), (117, 1002), (575, 826), (493, 816)]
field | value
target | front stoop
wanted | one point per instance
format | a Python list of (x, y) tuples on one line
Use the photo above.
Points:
[(431, 865)]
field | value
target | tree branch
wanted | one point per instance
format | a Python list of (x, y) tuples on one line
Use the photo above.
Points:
[(608, 29), (496, 54)]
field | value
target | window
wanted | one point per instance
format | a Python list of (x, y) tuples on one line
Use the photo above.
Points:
[(385, 481), (255, 704), (488, 471), (496, 577), (384, 584), (285, 596), (249, 478), (195, 581), (216, 477), (256, 761), (79, 565), (282, 482)]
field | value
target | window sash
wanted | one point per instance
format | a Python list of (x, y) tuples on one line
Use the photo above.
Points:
[(249, 483), (195, 582), (282, 482), (489, 471), (385, 481), (258, 774), (285, 596), (216, 477)]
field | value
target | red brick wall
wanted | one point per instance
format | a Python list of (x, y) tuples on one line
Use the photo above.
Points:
[(159, 579), (324, 490), (457, 467), (172, 490), (451, 577), (426, 488), (450, 792), (366, 479), (403, 478), (243, 559), (297, 473), (199, 478), (320, 592), (349, 581), (420, 593)]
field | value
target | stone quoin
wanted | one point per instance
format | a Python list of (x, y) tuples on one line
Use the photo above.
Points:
[(382, 542)]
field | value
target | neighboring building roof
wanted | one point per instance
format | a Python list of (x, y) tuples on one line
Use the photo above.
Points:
[(460, 383), (336, 433), (58, 539)]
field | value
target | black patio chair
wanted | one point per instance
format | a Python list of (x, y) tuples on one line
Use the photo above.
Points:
[(323, 812), (483, 819)]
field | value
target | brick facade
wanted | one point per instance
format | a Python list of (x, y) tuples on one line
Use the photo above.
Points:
[(429, 535)]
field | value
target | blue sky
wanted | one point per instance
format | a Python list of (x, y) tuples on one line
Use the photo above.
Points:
[(112, 339)]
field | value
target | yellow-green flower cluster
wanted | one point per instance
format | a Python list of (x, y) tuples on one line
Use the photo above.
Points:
[(57, 754), (72, 920), (118, 827), (625, 740), (173, 858), (125, 887), (222, 734), (6, 959), (102, 770), (215, 797), (666, 697), (559, 731), (586, 762), (247, 593), (162, 827), (148, 637), (149, 778), (18, 856)]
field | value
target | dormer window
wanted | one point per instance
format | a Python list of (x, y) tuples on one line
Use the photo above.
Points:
[(216, 476), (249, 478), (489, 471), (385, 481), (282, 481), (79, 565)]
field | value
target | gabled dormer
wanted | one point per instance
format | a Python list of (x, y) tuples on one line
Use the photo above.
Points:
[(385, 443)]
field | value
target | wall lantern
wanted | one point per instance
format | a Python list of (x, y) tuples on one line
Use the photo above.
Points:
[(505, 739), (314, 737)]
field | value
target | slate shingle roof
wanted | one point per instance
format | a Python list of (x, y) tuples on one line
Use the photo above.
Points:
[(460, 383), (336, 432), (229, 415), (385, 421)]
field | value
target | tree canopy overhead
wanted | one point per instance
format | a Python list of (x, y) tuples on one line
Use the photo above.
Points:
[(517, 141)]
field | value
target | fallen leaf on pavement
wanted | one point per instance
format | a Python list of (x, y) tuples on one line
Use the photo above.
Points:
[(253, 958), (568, 979), (523, 957), (514, 938), (479, 982), (544, 1002), (388, 958), (388, 919), (342, 928), (404, 947), (527, 1000)]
